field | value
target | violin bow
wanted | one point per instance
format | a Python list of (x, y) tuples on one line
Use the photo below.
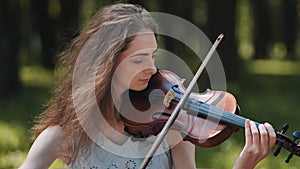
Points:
[(176, 111)]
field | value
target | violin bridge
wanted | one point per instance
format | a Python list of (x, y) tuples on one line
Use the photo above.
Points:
[(170, 95)]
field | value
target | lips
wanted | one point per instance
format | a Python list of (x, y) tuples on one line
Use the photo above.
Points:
[(145, 80)]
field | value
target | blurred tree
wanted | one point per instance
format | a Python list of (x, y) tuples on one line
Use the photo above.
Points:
[(9, 46), (69, 19), (222, 19), (290, 26), (185, 11), (262, 33), (48, 26), (58, 22), (179, 8)]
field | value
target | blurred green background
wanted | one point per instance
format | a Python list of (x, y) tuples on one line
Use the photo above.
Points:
[(260, 54)]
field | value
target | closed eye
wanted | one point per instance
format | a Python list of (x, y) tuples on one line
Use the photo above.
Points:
[(138, 61), (139, 57)]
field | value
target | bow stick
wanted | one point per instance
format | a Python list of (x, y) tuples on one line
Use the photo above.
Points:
[(175, 113)]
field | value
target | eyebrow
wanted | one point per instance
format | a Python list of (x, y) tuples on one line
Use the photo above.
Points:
[(143, 53)]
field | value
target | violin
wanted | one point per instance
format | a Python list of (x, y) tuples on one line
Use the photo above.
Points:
[(206, 119)]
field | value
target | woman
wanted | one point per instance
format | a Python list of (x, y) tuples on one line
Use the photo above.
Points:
[(115, 52)]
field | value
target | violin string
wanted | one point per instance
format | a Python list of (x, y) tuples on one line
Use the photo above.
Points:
[(216, 113), (228, 116), (208, 110)]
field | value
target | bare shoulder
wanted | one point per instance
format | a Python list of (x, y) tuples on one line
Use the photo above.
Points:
[(48, 147), (57, 141), (52, 133), (51, 138)]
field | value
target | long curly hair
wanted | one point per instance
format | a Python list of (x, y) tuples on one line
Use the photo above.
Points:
[(107, 34)]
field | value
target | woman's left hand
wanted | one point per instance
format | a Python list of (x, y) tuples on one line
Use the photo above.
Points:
[(259, 144)]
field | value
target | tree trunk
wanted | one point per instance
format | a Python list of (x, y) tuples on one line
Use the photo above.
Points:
[(69, 20), (9, 45), (183, 10), (261, 28), (290, 26), (221, 19), (49, 32)]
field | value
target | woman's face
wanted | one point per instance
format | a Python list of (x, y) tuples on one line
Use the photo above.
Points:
[(136, 64)]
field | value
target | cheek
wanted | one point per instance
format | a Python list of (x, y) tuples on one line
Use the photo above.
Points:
[(126, 81), (134, 83), (123, 75), (128, 76)]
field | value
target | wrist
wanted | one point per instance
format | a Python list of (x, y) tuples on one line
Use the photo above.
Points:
[(243, 163)]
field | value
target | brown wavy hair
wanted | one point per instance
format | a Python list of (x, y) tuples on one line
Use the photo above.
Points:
[(113, 25)]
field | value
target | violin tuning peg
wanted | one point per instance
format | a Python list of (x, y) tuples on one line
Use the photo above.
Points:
[(284, 128), (289, 157), (296, 135), (277, 151)]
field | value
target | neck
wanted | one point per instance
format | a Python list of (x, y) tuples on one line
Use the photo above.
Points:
[(203, 110), (113, 128)]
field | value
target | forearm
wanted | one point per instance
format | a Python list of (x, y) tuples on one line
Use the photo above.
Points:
[(242, 163), (183, 155)]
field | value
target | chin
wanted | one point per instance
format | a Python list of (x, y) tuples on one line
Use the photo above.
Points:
[(139, 88)]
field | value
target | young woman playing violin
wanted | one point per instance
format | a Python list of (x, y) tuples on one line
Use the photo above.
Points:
[(123, 37)]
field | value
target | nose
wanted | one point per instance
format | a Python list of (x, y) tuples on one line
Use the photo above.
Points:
[(151, 69)]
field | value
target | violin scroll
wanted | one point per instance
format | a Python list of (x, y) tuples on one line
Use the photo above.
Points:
[(285, 142)]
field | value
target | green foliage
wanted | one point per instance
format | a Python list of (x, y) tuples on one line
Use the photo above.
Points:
[(12, 145)]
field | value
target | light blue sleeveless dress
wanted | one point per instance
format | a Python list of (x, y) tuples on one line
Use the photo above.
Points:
[(108, 155)]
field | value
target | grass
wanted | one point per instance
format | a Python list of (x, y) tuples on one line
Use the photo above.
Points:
[(262, 96)]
